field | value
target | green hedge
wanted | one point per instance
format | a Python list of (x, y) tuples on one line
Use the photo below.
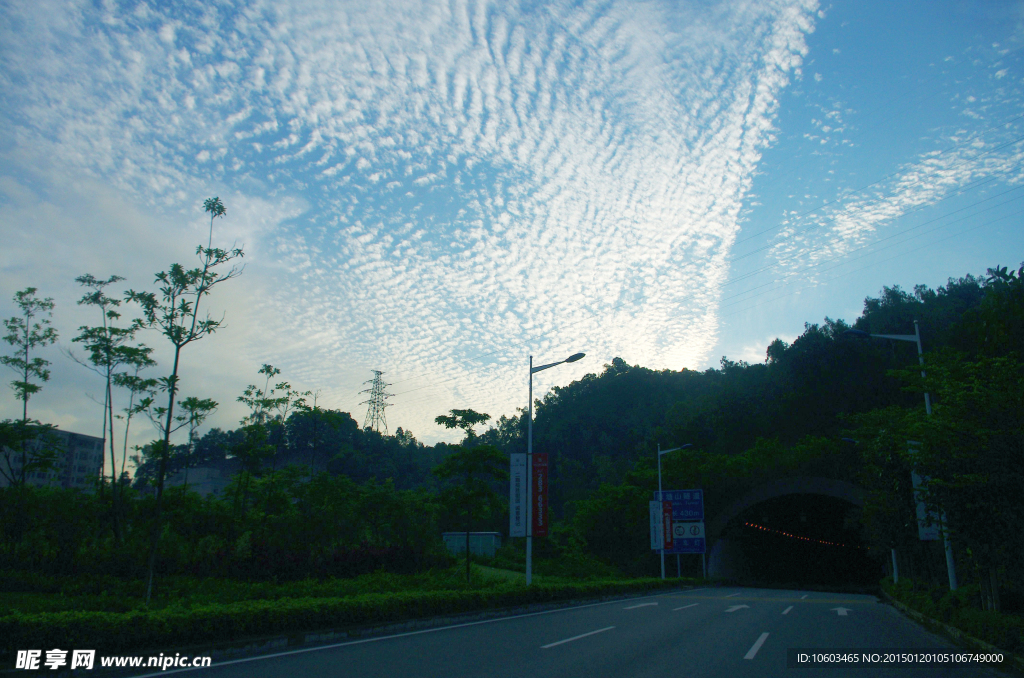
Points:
[(140, 630), (956, 608)]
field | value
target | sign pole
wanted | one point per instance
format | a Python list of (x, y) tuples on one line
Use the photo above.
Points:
[(661, 497), (529, 482)]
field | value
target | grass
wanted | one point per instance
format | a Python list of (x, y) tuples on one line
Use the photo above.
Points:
[(496, 574)]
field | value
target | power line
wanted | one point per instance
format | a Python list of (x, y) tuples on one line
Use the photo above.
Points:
[(876, 242), (864, 268), (889, 195), (891, 175)]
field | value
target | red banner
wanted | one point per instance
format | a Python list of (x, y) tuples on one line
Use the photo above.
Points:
[(540, 495), (666, 523)]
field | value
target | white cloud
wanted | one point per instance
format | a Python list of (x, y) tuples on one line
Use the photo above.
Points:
[(421, 183)]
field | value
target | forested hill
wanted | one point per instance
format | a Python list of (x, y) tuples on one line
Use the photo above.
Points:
[(596, 429)]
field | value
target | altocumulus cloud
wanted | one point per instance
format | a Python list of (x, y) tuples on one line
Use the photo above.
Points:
[(452, 178)]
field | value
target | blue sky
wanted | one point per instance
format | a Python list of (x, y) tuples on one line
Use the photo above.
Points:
[(440, 189)]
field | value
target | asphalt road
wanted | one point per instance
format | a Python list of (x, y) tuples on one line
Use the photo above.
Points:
[(713, 633)]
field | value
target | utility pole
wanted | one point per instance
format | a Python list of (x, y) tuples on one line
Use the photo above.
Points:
[(375, 412)]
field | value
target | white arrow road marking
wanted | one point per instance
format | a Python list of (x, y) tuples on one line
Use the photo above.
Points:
[(757, 646), (841, 610), (686, 606), (582, 635), (737, 607), (633, 607), (786, 611), (734, 594)]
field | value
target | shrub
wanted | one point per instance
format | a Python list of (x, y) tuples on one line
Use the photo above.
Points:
[(957, 608), (182, 625)]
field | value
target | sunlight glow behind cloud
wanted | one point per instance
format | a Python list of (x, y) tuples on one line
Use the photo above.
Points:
[(466, 177)]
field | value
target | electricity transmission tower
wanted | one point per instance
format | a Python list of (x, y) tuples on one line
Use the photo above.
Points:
[(375, 412)]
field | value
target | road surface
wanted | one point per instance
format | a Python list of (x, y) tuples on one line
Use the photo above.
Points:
[(712, 633)]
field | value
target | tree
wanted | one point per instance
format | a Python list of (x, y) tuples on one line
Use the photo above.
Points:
[(472, 467), (257, 445), (26, 336), (108, 350), (138, 387), (972, 449), (194, 412), (464, 419), (175, 312), (315, 414)]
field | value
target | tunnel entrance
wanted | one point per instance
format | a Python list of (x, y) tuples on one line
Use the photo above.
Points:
[(799, 540)]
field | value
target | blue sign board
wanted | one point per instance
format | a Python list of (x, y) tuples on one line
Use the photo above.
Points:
[(686, 504), (687, 546)]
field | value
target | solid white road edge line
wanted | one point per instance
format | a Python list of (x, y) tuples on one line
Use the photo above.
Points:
[(786, 611), (582, 635), (757, 646), (686, 606), (374, 640)]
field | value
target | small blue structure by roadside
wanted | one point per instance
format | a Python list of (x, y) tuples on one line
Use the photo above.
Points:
[(482, 544)]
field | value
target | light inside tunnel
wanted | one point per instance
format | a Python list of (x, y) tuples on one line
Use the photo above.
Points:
[(807, 539)]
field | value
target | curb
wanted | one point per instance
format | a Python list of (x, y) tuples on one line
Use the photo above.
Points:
[(1016, 662)]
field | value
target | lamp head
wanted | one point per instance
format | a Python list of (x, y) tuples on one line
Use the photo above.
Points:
[(859, 334), (574, 357)]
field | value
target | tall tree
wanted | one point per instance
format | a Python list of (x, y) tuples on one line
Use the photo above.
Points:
[(108, 350), (255, 447), (175, 312), (140, 389), (26, 334), (474, 468)]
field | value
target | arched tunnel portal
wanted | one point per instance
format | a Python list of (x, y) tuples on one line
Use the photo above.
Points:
[(800, 531)]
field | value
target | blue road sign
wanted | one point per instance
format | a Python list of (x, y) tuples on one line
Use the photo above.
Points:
[(686, 504), (687, 546), (687, 538)]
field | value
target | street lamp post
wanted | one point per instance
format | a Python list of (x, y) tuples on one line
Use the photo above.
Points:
[(660, 452), (529, 464), (916, 338)]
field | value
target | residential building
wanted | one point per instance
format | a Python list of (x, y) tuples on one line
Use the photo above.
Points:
[(78, 464)]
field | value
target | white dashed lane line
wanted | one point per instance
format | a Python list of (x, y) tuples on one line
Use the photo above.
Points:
[(686, 606), (757, 646), (633, 607), (786, 611), (582, 635)]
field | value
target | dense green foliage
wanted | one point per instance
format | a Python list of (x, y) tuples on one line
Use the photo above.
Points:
[(327, 527)]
